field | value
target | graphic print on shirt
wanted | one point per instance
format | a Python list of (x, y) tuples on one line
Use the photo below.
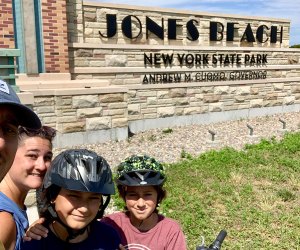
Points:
[(134, 246)]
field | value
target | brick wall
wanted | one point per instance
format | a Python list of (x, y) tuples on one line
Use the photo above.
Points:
[(6, 25), (55, 36)]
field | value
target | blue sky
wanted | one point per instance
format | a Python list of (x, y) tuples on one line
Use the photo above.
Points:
[(287, 9)]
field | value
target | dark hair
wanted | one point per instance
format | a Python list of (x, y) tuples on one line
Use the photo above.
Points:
[(44, 198), (161, 194), (43, 132)]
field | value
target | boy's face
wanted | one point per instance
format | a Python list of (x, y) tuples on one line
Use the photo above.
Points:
[(77, 209), (8, 139), (141, 201)]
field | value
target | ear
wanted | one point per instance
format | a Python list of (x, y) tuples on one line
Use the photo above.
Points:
[(158, 199)]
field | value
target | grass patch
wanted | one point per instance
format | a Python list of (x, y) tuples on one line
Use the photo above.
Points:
[(253, 194)]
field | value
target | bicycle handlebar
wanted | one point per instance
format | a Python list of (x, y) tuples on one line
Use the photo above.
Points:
[(216, 245)]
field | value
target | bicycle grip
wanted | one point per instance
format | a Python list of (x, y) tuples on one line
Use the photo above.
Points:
[(216, 245)]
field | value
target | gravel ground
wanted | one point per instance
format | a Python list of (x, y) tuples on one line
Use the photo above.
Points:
[(167, 145)]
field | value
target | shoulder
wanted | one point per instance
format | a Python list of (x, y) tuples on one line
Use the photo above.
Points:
[(105, 229), (6, 203), (8, 229), (7, 221), (104, 234), (33, 244), (6, 216), (169, 224), (115, 215), (114, 218)]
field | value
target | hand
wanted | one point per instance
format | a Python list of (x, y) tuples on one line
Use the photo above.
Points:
[(121, 247), (36, 231)]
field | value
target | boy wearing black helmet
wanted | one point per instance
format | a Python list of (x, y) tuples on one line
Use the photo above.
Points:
[(140, 182), (72, 201)]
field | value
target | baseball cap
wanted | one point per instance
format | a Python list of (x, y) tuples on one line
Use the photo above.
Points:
[(25, 115)]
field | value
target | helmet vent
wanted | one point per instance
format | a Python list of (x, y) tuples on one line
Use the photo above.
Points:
[(143, 182), (139, 170)]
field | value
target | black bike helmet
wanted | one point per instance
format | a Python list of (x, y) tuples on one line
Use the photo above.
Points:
[(140, 170), (80, 170)]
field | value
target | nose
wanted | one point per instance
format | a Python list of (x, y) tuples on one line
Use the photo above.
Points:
[(141, 202), (41, 164), (82, 208), (2, 137), (2, 140)]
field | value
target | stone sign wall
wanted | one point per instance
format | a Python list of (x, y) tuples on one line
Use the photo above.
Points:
[(164, 68), (120, 44)]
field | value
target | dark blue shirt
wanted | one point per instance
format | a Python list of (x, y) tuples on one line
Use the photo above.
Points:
[(101, 237)]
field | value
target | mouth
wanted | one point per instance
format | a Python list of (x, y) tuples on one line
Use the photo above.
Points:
[(37, 175), (80, 217), (141, 211)]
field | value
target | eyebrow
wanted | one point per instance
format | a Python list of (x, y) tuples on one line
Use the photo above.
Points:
[(8, 114), (72, 191), (37, 151), (144, 191), (10, 120)]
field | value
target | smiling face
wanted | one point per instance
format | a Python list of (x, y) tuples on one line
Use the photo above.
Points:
[(31, 162), (77, 209), (8, 139), (141, 202)]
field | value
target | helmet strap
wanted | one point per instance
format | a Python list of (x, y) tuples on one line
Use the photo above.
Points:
[(72, 234), (103, 207)]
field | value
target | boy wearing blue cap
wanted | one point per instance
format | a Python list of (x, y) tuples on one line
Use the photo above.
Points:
[(12, 114)]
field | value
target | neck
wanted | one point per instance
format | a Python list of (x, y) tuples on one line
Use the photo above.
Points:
[(12, 191), (61, 232), (145, 225)]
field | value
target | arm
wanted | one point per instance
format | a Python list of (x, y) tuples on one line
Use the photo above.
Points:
[(36, 231), (8, 230)]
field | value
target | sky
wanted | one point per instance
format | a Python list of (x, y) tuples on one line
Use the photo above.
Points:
[(286, 9)]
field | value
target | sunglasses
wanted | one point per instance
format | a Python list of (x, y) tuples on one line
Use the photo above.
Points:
[(45, 132)]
